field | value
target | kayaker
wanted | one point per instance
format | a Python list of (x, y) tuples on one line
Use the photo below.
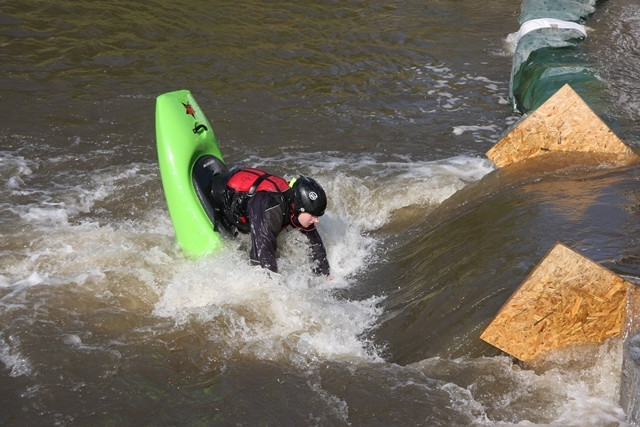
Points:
[(252, 201)]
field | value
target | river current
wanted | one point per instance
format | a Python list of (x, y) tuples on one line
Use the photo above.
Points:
[(391, 107)]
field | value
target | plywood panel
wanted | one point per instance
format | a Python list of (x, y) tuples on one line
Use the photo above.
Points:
[(566, 299), (563, 123)]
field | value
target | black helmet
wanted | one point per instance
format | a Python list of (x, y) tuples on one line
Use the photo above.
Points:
[(308, 196)]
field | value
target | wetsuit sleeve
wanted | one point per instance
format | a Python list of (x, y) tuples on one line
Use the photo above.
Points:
[(318, 253), (265, 218)]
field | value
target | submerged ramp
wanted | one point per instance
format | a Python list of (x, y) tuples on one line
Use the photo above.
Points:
[(567, 298)]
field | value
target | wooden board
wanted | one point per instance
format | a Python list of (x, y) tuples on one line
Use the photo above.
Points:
[(563, 123), (566, 299)]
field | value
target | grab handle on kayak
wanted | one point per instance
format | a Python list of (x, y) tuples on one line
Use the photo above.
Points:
[(197, 128)]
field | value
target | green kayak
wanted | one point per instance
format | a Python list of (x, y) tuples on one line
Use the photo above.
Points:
[(188, 156)]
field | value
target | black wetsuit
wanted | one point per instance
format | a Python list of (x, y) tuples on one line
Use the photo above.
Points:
[(267, 220), (264, 215)]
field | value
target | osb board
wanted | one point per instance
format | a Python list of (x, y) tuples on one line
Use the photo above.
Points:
[(564, 122), (566, 299)]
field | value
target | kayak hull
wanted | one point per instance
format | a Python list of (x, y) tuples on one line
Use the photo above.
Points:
[(184, 136)]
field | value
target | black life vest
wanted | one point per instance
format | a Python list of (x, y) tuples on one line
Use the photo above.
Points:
[(242, 185)]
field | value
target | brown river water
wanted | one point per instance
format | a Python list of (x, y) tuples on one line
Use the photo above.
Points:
[(391, 106)]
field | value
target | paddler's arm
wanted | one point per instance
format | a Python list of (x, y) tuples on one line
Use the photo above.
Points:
[(318, 253)]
